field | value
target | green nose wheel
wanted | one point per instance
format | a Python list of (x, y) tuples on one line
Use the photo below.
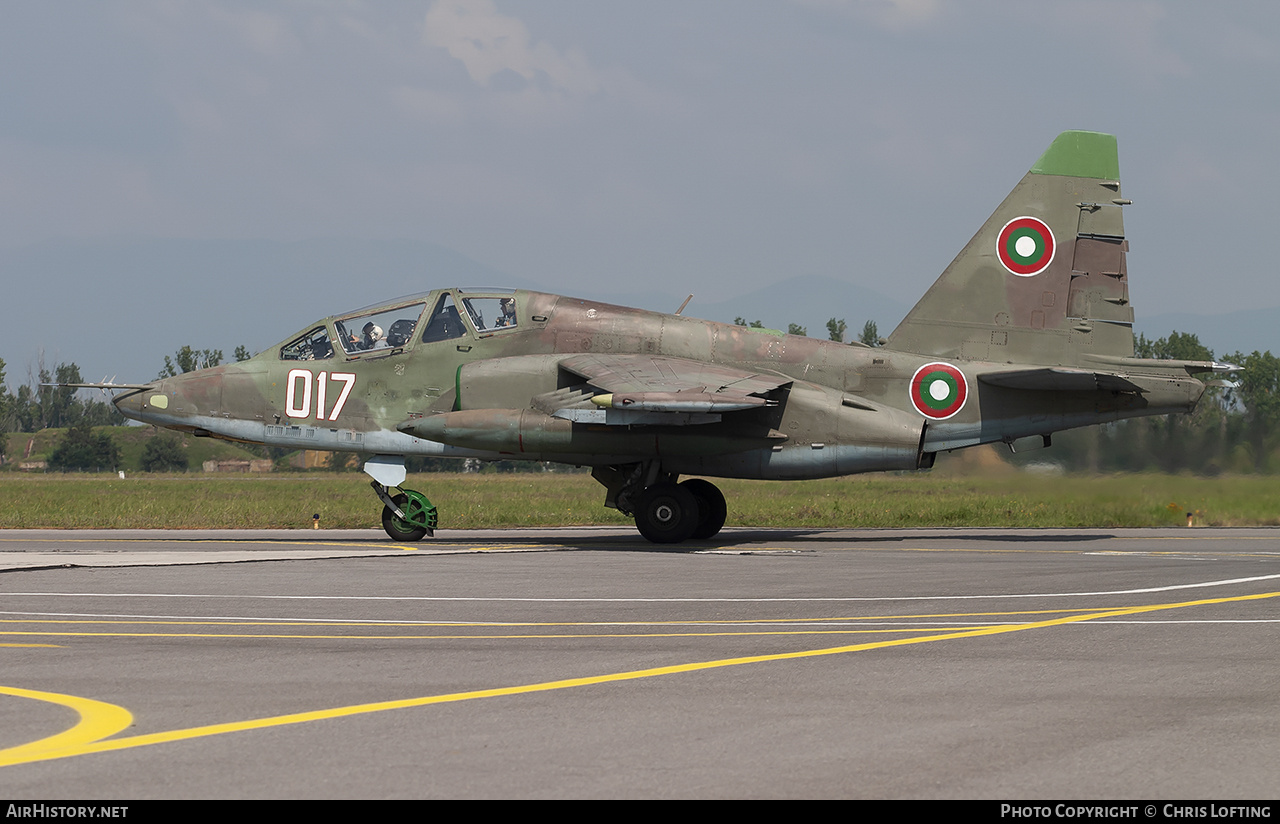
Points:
[(419, 517)]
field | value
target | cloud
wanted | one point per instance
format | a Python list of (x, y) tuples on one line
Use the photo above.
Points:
[(427, 105), (489, 43), (266, 33), (1137, 32), (889, 14)]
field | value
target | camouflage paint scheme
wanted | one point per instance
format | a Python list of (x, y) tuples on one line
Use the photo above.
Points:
[(1027, 332)]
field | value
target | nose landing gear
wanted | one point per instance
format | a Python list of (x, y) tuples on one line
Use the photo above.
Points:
[(407, 515)]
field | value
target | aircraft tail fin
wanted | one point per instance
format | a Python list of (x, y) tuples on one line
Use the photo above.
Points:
[(1044, 280)]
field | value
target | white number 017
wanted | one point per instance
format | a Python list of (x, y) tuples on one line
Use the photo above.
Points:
[(297, 402)]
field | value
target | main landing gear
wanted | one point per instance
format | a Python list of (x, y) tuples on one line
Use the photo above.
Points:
[(407, 515), (666, 512)]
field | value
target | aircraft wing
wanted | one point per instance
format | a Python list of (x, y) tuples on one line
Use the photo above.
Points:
[(609, 394), (646, 373), (661, 390), (1057, 379)]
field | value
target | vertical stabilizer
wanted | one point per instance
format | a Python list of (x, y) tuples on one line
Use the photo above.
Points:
[(1044, 280)]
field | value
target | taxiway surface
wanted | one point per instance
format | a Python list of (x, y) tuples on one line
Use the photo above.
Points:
[(587, 663)]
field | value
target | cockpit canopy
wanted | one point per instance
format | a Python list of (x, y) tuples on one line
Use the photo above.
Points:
[(388, 328)]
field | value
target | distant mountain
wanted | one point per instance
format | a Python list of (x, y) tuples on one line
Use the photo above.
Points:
[(810, 301), (117, 307)]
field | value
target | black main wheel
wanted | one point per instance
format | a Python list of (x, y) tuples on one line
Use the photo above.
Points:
[(398, 529), (666, 513), (712, 509)]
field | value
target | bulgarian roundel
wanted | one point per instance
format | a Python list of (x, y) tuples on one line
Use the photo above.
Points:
[(938, 390), (1025, 246)]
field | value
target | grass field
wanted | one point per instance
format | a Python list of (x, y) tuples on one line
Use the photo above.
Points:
[(344, 500)]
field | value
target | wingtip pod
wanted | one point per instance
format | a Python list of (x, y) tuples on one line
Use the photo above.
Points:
[(1081, 154)]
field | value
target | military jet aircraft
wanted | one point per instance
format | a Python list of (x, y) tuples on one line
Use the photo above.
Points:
[(1026, 333)]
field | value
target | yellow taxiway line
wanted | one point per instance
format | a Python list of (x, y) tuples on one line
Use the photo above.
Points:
[(99, 720)]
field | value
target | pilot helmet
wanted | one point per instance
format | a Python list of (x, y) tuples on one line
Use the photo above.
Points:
[(372, 331)]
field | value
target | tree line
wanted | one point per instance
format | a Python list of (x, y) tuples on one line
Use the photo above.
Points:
[(46, 401), (1235, 427), (836, 329)]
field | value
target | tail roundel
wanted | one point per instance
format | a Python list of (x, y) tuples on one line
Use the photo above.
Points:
[(1044, 280)]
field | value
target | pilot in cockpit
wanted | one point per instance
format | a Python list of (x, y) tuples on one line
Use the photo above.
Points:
[(370, 336), (508, 317)]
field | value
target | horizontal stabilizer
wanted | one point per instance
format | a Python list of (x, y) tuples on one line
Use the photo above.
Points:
[(1191, 367), (1060, 380), (107, 385)]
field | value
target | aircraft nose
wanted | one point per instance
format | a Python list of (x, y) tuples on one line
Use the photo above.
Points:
[(136, 405)]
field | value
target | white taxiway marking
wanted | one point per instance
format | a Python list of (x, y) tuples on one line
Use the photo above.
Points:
[(503, 599)]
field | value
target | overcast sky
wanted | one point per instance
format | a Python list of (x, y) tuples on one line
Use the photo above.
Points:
[(698, 145)]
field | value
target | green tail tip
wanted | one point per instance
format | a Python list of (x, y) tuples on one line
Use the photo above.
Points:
[(1081, 154)]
